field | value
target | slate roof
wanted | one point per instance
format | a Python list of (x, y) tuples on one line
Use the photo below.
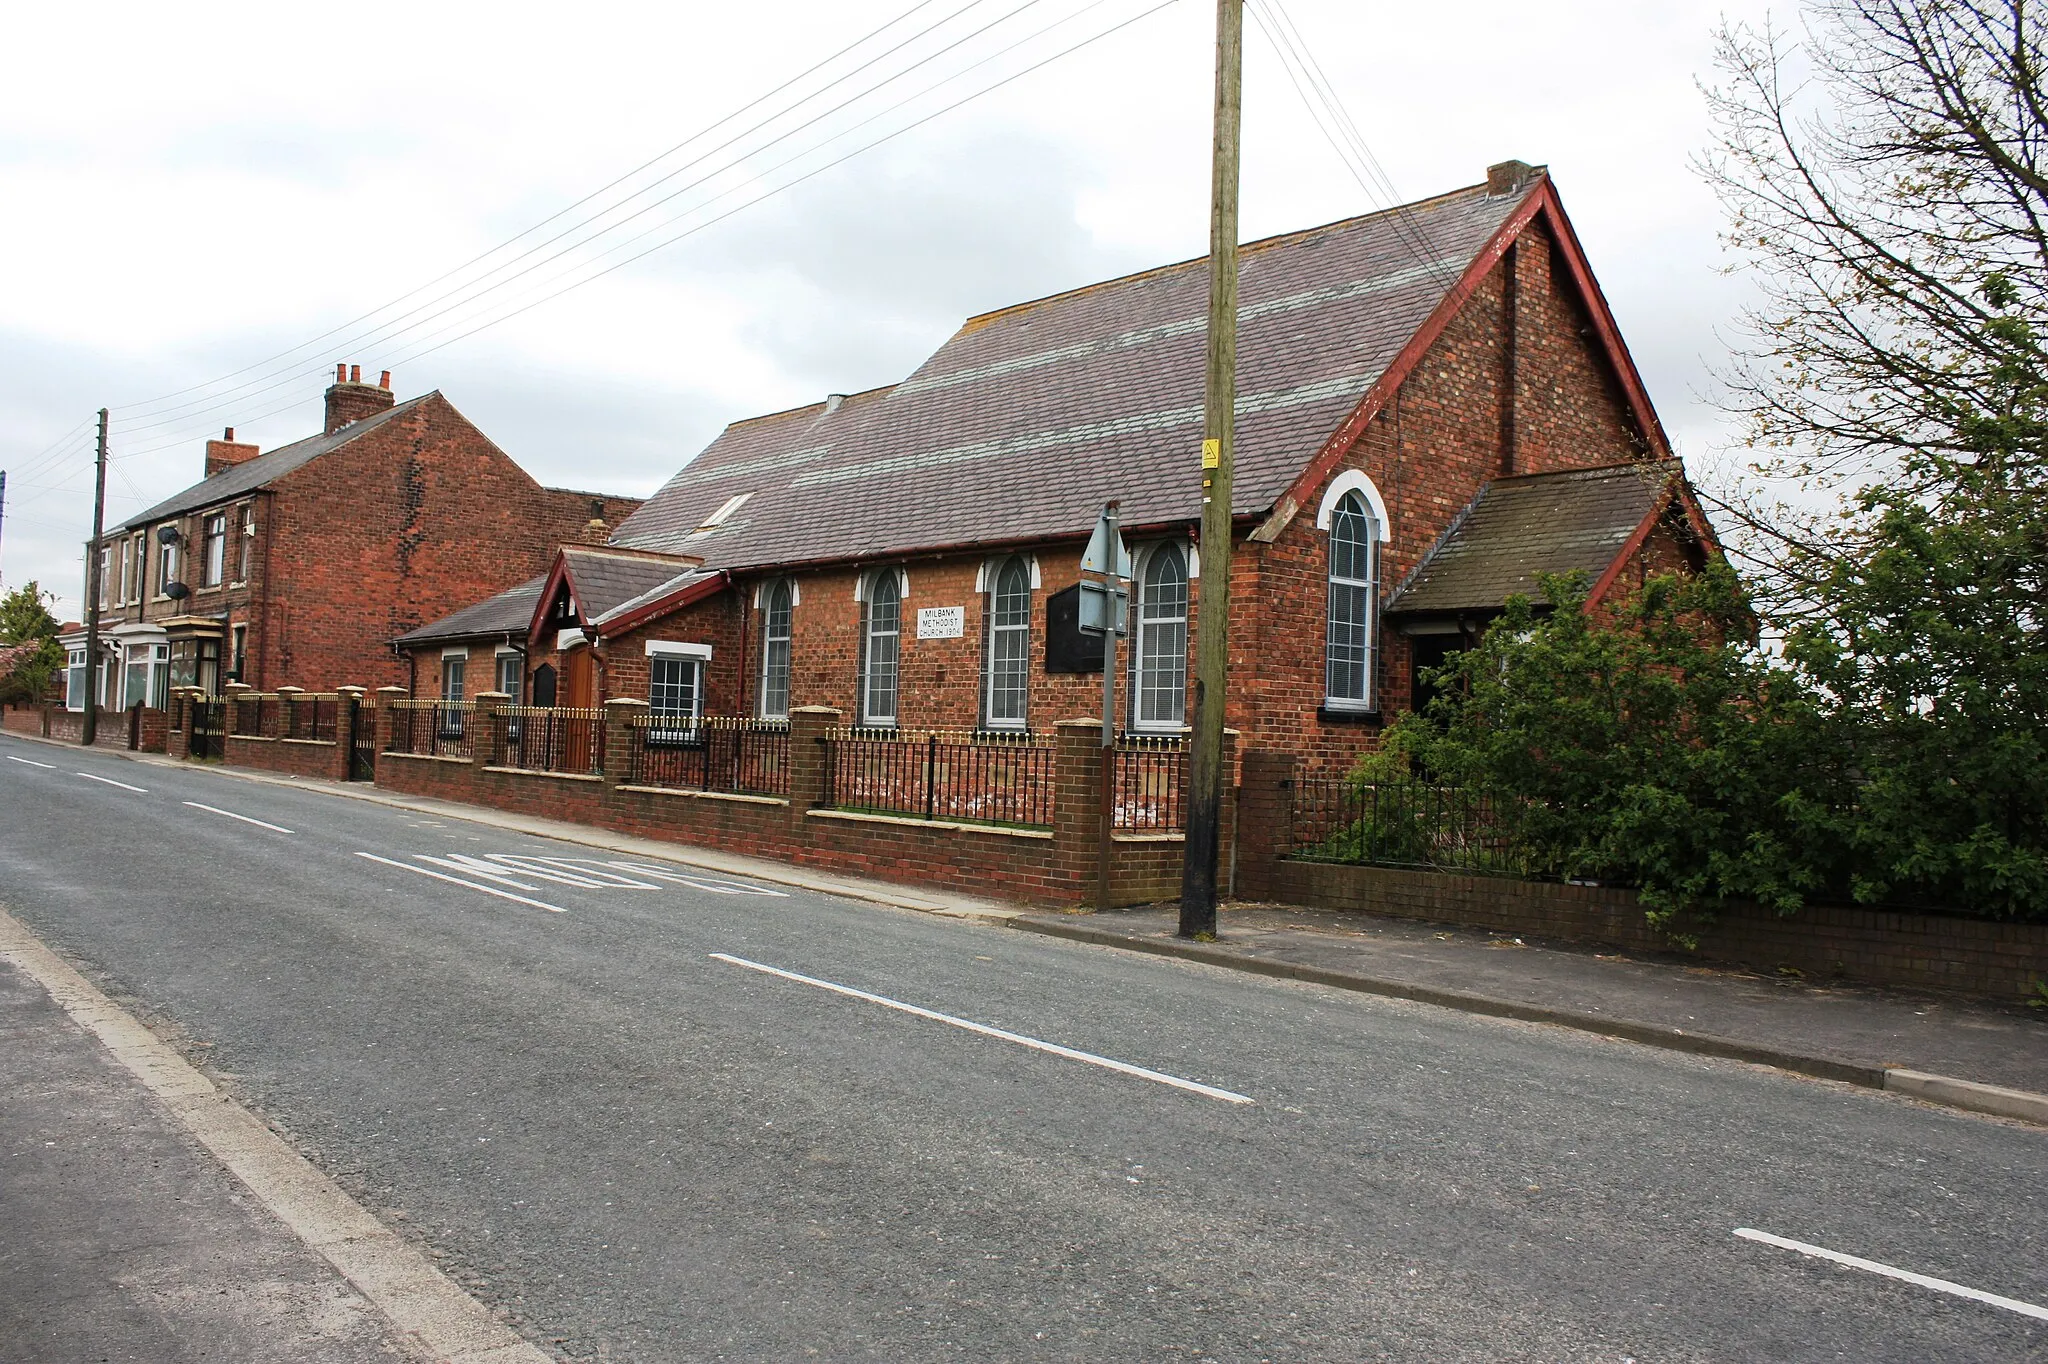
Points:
[(1536, 523), (252, 474), (508, 613), (1022, 423), (605, 579)]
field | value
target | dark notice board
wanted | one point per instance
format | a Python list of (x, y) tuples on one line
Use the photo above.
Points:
[(1067, 650)]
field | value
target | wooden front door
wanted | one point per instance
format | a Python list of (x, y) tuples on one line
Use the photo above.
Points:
[(579, 691)]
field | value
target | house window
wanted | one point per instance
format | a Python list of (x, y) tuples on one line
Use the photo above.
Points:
[(1160, 700), (247, 544), (452, 667), (160, 676), (213, 550), (74, 680), (135, 688), (166, 565), (1350, 654), (139, 548), (1007, 660), (879, 643), (512, 677), (675, 696), (106, 567), (239, 659), (775, 635), (121, 584)]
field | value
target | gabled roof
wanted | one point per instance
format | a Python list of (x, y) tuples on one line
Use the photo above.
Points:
[(1028, 418), (252, 474), (508, 613), (599, 579), (1579, 519)]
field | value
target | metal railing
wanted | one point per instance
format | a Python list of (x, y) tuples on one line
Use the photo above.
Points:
[(254, 716), (311, 715), (983, 777), (1149, 782), (731, 753), (552, 739), (1420, 825), (438, 729)]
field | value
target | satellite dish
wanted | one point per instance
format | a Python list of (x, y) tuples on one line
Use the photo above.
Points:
[(177, 591), (167, 535)]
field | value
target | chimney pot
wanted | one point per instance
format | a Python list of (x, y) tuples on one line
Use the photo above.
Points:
[(341, 372), (385, 381), (228, 434), (355, 374)]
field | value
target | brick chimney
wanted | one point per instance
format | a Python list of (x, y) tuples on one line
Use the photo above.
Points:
[(1510, 177), (349, 399), (595, 531), (227, 452)]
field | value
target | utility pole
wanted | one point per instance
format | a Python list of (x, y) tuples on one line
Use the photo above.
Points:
[(1212, 621), (94, 664), (3, 505)]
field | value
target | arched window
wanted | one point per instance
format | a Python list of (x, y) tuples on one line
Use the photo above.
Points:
[(879, 639), (1351, 654), (775, 621), (1159, 698), (1006, 662)]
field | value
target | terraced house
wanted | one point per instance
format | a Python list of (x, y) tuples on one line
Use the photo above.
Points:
[(1434, 405), (296, 566)]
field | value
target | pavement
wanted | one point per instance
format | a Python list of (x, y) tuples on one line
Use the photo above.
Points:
[(641, 1109)]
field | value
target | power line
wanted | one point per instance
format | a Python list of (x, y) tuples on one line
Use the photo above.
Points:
[(471, 287)]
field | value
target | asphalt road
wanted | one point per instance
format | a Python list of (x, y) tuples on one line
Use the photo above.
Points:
[(645, 1151)]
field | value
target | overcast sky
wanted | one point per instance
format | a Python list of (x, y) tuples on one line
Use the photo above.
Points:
[(192, 191)]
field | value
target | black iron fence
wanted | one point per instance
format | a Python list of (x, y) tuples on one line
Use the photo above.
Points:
[(552, 739), (731, 753), (254, 716), (1149, 774), (1421, 825), (438, 729), (310, 715), (988, 777)]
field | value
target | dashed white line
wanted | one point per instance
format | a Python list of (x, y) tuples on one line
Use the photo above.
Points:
[(216, 810), (1052, 1048), (473, 885), (2025, 1309), (111, 782), (48, 767)]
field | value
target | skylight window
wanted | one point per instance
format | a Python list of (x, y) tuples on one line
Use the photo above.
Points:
[(732, 504)]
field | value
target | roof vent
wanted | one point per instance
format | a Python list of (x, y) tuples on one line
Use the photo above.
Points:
[(717, 518)]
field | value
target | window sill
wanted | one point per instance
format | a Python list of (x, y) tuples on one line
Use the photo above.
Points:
[(1327, 716)]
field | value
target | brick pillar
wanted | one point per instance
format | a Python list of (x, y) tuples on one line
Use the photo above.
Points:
[(1077, 810), (231, 715), (808, 788), (344, 697), (619, 714), (178, 743), (487, 732), (385, 712), (1265, 818)]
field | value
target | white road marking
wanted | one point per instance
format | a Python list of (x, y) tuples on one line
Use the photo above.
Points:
[(1052, 1048), (51, 767), (583, 866), (215, 810), (525, 865), (715, 887), (474, 866), (111, 782), (2025, 1309), (473, 885)]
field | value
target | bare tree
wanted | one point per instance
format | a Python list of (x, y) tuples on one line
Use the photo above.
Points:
[(1886, 183)]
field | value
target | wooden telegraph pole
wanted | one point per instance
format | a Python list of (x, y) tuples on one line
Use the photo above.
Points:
[(1206, 777), (93, 588)]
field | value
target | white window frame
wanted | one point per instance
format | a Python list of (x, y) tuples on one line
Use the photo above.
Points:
[(1354, 487), (166, 567), (451, 718), (785, 590), (691, 659), (245, 546), (1139, 652), (871, 638), (213, 549), (997, 636), (75, 674), (517, 688)]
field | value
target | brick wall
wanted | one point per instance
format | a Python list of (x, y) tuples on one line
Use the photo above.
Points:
[(116, 728), (1876, 947)]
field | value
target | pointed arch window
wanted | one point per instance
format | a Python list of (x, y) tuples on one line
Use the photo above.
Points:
[(1351, 649), (1006, 666), (776, 614), (1159, 693), (880, 640)]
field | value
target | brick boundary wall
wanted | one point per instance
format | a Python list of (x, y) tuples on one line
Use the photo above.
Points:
[(1054, 866), (1923, 951), (116, 727)]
